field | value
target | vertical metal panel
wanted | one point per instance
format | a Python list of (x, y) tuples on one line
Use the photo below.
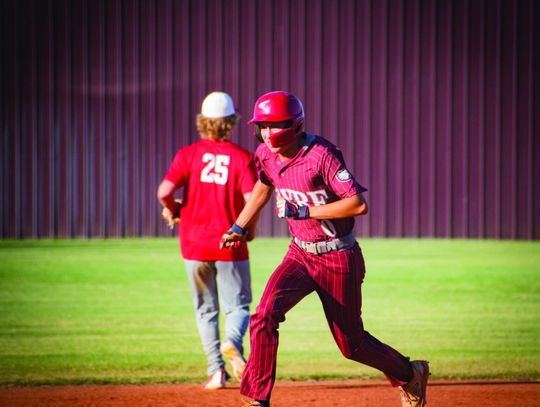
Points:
[(443, 123), (458, 185), (492, 140), (45, 123), (411, 121), (63, 114), (164, 98), (149, 65), (435, 106), (377, 183), (508, 179), (10, 122), (427, 123), (475, 118), (28, 88), (115, 159), (3, 129), (362, 109), (96, 123), (131, 36), (524, 127), (394, 150), (535, 127)]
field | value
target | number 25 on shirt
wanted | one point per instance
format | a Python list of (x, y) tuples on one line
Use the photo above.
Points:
[(216, 169)]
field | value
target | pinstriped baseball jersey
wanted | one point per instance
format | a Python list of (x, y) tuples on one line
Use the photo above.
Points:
[(317, 175)]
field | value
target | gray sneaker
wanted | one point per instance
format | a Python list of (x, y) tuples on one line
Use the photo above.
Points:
[(413, 394), (216, 380)]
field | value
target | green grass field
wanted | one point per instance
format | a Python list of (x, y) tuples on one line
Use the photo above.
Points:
[(119, 311)]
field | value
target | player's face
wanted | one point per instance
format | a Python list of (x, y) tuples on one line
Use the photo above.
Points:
[(269, 128)]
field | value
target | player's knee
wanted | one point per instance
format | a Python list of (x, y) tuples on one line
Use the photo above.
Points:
[(207, 314), (265, 320), (242, 309), (345, 350)]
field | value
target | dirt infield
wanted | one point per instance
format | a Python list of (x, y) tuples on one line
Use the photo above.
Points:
[(351, 393)]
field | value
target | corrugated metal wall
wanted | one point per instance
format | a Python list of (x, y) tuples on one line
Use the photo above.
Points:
[(435, 103)]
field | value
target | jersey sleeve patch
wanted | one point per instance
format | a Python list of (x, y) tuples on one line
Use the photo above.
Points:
[(343, 175)]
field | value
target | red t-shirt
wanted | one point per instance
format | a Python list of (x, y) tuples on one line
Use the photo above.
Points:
[(215, 176)]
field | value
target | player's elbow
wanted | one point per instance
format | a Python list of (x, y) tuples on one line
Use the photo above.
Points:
[(165, 189), (160, 194), (360, 210), (361, 207)]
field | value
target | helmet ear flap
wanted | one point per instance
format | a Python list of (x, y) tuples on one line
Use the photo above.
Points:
[(299, 129), (258, 133)]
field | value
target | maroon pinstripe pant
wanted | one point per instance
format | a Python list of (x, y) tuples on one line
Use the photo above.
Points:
[(337, 279)]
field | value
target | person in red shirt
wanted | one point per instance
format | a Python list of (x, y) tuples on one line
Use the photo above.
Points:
[(319, 198), (217, 177)]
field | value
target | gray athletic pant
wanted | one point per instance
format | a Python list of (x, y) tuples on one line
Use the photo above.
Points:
[(216, 285)]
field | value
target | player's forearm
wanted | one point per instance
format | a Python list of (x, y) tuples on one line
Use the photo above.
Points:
[(165, 194), (252, 227), (260, 195), (344, 208)]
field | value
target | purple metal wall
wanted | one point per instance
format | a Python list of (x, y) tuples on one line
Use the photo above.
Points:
[(435, 104)]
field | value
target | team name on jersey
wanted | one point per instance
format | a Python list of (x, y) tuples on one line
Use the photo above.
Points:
[(318, 197)]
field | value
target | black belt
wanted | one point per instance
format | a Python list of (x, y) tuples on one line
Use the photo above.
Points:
[(326, 246)]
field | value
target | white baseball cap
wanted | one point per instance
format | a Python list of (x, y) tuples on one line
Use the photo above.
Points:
[(217, 105)]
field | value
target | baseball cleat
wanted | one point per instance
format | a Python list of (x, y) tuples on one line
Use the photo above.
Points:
[(217, 380), (235, 358), (255, 403), (413, 394)]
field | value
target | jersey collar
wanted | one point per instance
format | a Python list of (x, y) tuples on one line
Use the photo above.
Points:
[(310, 138)]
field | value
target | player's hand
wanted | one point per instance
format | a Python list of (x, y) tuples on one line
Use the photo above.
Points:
[(289, 210), (172, 218), (233, 238)]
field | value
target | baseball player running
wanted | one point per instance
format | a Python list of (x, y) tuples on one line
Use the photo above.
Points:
[(217, 176), (319, 198)]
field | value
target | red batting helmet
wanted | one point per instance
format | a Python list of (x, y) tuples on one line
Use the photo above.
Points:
[(279, 107)]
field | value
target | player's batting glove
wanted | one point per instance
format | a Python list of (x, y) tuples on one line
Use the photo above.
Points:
[(280, 206), (226, 241), (293, 211)]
